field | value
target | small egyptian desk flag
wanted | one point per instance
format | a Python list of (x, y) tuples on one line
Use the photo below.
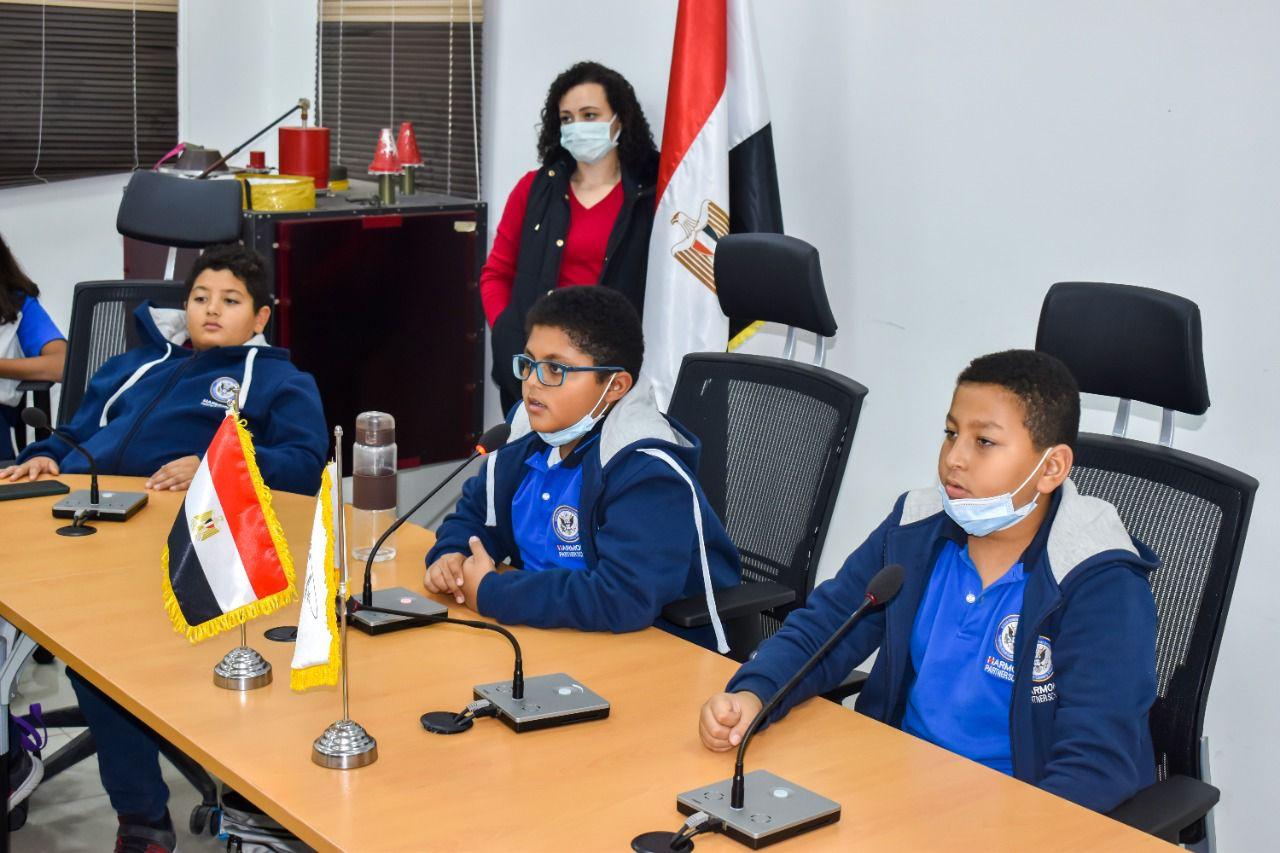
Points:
[(317, 656), (226, 560)]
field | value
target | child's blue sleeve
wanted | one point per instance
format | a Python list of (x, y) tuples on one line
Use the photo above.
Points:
[(85, 423), (782, 655), (645, 547), (36, 328), (1104, 659), (292, 445)]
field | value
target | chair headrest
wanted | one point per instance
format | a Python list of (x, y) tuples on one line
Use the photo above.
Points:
[(772, 277), (181, 212), (1129, 342)]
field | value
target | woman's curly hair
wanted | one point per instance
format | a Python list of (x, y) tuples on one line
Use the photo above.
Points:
[(635, 144)]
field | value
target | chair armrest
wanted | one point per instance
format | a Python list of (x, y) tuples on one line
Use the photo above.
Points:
[(34, 385), (851, 686), (733, 603), (1166, 808)]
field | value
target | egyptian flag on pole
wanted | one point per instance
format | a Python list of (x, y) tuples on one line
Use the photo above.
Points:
[(716, 176), (226, 560)]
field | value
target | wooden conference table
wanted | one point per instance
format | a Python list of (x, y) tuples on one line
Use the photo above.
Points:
[(95, 603)]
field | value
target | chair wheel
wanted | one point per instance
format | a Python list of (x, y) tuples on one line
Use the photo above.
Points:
[(202, 817)]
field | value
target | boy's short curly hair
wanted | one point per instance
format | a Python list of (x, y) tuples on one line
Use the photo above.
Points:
[(245, 264), (1049, 393), (597, 320)]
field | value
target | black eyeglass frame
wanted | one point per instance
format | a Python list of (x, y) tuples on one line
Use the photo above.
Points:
[(535, 366)]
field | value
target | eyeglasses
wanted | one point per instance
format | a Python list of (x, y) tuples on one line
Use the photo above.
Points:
[(552, 373)]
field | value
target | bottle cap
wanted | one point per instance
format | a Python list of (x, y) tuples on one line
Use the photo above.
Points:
[(375, 429)]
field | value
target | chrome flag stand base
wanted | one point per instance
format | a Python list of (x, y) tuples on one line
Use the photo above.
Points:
[(345, 745), (242, 668)]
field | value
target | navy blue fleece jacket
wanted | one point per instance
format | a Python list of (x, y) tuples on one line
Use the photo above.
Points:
[(161, 401), (1083, 735), (645, 525)]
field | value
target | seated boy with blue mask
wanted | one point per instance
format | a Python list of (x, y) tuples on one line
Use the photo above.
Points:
[(1024, 634), (594, 496), (152, 411)]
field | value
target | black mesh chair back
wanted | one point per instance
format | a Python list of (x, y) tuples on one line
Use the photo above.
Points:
[(775, 441), (1193, 512), (775, 432), (102, 327)]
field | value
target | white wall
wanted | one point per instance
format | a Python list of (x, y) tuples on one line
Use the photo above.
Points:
[(951, 161)]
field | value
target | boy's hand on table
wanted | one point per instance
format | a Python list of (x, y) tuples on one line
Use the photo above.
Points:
[(174, 476), (34, 467), (725, 717), (444, 576), (474, 569)]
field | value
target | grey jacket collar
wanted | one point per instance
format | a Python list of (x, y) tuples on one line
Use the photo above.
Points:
[(634, 418), (1083, 527)]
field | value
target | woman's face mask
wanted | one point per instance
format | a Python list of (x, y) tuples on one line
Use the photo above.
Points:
[(590, 141)]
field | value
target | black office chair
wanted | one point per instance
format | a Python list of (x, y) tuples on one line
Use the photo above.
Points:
[(102, 328), (179, 213), (1140, 344), (775, 437)]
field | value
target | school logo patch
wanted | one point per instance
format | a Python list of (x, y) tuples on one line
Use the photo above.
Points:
[(1007, 636), (224, 389), (1042, 669), (565, 522)]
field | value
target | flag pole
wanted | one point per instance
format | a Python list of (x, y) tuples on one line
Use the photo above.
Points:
[(242, 668), (345, 744)]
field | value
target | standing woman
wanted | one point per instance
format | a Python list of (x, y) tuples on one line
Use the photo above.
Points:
[(583, 218), (31, 347)]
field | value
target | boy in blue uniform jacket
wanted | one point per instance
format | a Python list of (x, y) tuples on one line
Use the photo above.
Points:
[(1024, 634), (151, 412), (594, 497)]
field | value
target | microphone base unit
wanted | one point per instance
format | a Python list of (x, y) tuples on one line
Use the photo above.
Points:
[(111, 506), (773, 809), (395, 598), (549, 700)]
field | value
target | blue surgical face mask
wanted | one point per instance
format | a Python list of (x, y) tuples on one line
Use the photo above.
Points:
[(981, 516), (589, 141), (582, 427)]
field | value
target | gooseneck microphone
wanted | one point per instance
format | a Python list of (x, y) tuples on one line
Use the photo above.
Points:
[(883, 587), (37, 419), (91, 505), (771, 808), (493, 439), (517, 678)]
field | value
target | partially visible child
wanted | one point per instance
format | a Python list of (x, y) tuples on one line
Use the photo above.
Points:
[(594, 497), (31, 347), (152, 411), (1024, 634)]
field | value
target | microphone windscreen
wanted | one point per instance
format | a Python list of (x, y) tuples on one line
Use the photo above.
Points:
[(885, 584), (493, 438), (35, 418)]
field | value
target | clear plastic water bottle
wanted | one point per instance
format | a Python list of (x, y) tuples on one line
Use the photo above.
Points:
[(373, 464)]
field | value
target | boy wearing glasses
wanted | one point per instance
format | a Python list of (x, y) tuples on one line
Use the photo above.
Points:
[(594, 497)]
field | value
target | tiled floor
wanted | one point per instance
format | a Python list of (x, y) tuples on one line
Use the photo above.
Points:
[(71, 813)]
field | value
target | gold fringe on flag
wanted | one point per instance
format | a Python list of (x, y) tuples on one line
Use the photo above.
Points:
[(261, 607), (324, 674)]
